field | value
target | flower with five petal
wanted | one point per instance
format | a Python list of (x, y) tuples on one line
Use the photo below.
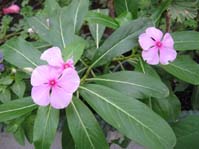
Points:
[(52, 86), (156, 47)]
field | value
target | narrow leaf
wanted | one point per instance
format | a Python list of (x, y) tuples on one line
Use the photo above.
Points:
[(186, 40), (131, 117), (20, 53), (121, 41), (185, 69), (16, 108), (84, 127), (94, 17), (45, 127), (134, 84)]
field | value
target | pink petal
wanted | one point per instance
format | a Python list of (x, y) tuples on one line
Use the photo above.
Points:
[(168, 41), (39, 75), (69, 81), (59, 98), (145, 41), (154, 33), (167, 55), (151, 56), (68, 64), (53, 57), (40, 95)]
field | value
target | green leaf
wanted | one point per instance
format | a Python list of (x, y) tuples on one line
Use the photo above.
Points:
[(19, 88), (16, 108), (133, 84), (184, 68), (159, 11), (20, 136), (84, 127), (194, 98), (121, 41), (7, 80), (130, 116), (169, 108), (186, 40), (96, 29), (45, 127), (122, 6), (20, 53), (94, 17), (28, 127), (74, 50), (77, 11), (187, 132), (5, 96), (67, 140)]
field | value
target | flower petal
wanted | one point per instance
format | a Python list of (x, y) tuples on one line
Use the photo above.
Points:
[(59, 98), (69, 81), (53, 57), (40, 95), (167, 55), (39, 75), (168, 41), (151, 56), (145, 41), (154, 33)]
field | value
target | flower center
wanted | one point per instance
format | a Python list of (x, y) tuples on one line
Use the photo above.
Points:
[(159, 44), (66, 65), (52, 82)]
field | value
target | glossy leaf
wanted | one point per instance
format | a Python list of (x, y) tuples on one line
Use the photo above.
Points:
[(20, 53), (186, 40), (96, 29), (84, 127), (121, 41), (185, 69), (133, 84), (187, 132), (45, 127), (5, 95), (94, 17), (16, 108), (130, 116), (122, 6)]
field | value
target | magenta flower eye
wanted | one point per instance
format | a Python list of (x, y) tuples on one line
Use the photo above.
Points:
[(53, 84), (156, 47)]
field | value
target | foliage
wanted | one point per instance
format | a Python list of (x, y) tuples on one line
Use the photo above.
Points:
[(118, 89)]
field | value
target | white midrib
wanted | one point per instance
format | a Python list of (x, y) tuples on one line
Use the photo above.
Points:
[(126, 113), (75, 18), (13, 110), (45, 126), (122, 82), (108, 51), (126, 6), (97, 33), (61, 31), (83, 126), (20, 53)]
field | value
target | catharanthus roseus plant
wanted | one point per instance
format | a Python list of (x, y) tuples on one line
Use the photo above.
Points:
[(104, 74)]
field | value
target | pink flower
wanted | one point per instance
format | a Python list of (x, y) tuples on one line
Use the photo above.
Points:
[(11, 9), (156, 47), (51, 87), (54, 58)]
